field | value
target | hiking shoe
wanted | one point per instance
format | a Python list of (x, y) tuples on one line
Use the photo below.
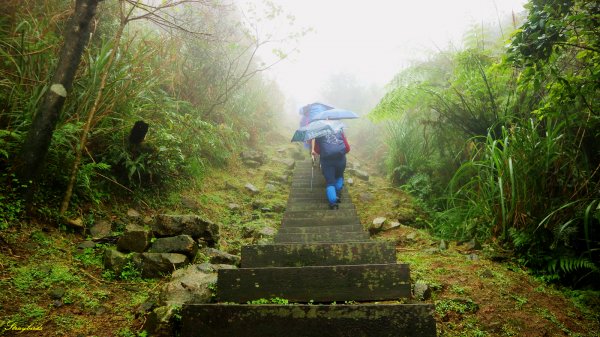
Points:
[(334, 206), (338, 200)]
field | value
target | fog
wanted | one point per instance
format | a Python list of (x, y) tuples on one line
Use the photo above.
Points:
[(372, 40)]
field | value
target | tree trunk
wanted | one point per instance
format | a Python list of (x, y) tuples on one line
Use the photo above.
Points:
[(91, 114), (37, 143)]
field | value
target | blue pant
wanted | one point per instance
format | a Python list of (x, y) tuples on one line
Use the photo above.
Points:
[(333, 171)]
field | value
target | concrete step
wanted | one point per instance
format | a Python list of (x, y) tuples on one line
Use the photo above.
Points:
[(367, 282), (320, 229), (323, 254), (376, 320), (321, 237), (330, 220)]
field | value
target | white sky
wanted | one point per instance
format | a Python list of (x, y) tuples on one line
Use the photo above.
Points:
[(374, 39)]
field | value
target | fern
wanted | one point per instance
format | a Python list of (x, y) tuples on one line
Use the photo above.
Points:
[(568, 265), (520, 239)]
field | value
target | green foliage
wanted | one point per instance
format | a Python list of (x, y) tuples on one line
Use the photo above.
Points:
[(509, 140), (11, 202), (274, 300), (90, 257), (126, 332), (202, 99), (130, 272), (460, 306), (43, 276)]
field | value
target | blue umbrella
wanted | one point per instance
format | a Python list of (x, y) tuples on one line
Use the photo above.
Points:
[(333, 114), (317, 129)]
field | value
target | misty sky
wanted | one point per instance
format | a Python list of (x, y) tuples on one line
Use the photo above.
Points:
[(374, 39)]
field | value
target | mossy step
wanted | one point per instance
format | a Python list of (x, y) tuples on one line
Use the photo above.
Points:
[(321, 237), (316, 206), (374, 320), (320, 229), (320, 254), (305, 182), (319, 214), (299, 193), (331, 220), (366, 282), (315, 199)]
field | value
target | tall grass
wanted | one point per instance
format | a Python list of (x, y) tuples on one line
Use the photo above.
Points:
[(520, 189)]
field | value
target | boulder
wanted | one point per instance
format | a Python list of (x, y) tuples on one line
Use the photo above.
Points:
[(252, 164), (161, 321), (182, 244), (350, 181), (100, 229), (283, 178), (57, 293), (486, 274), (278, 207), (190, 203), (422, 291), (132, 213), (473, 245), (289, 163), (192, 284), (377, 225), (230, 187), (362, 175), (391, 225), (135, 239), (233, 207), (76, 224), (443, 245), (192, 225), (365, 197), (265, 232), (114, 260), (155, 265), (258, 204), (216, 256), (270, 188), (253, 156), (252, 189), (86, 244)]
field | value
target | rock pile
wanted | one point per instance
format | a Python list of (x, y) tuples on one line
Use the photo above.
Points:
[(170, 243)]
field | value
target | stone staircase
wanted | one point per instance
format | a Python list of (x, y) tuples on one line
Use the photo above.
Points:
[(323, 261)]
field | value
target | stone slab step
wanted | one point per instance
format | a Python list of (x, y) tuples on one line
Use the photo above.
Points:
[(320, 229), (328, 220), (317, 206), (367, 282), (320, 213), (316, 193), (376, 320), (305, 182), (321, 237), (306, 185), (315, 199), (323, 254)]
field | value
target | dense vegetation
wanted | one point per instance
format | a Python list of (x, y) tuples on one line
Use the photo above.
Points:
[(189, 69), (503, 142)]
